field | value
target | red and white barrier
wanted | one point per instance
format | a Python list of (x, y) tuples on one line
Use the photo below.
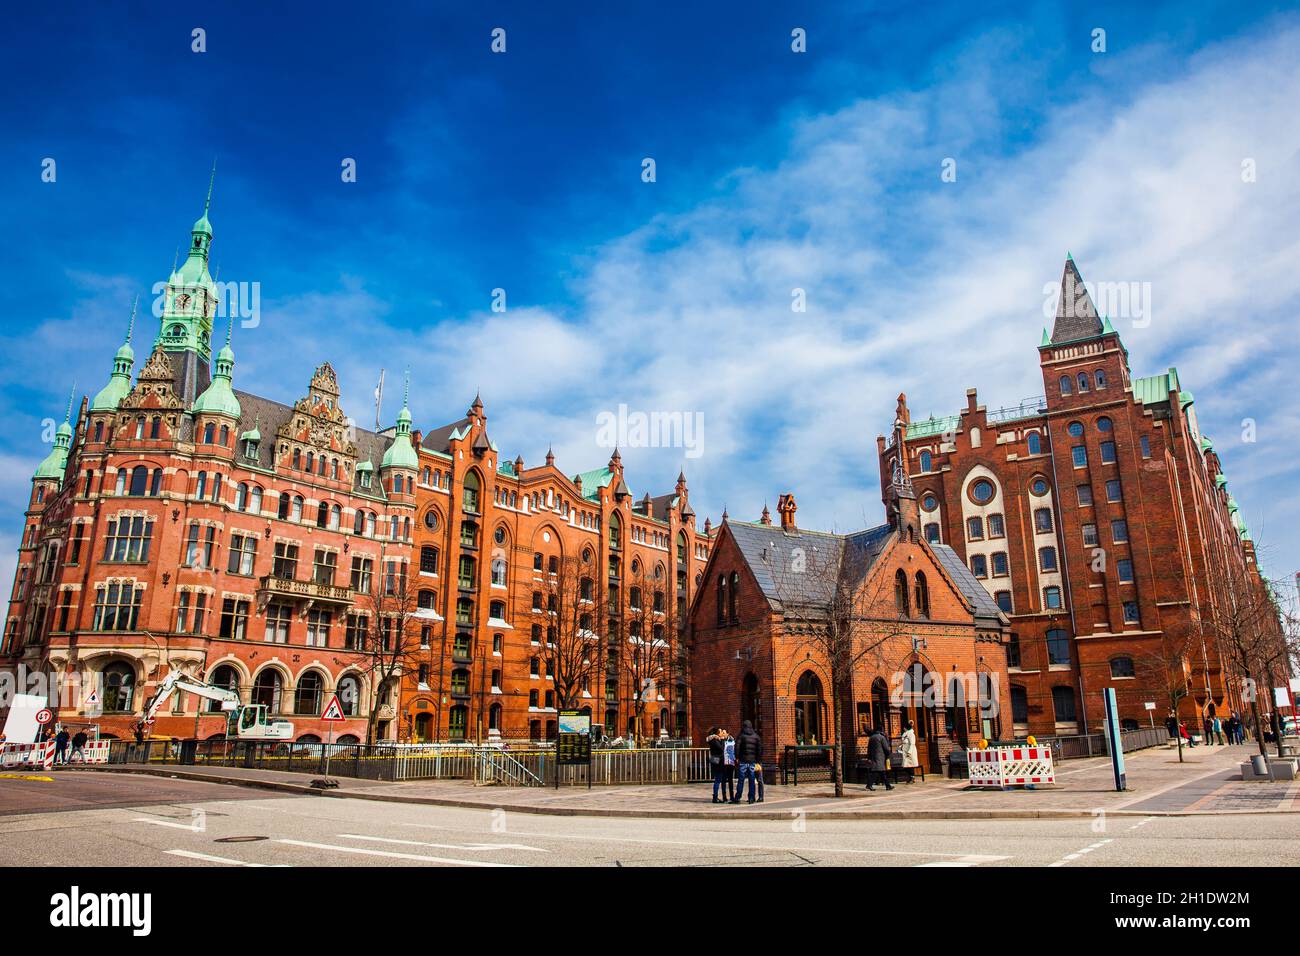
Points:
[(1003, 767), (33, 756), (95, 751)]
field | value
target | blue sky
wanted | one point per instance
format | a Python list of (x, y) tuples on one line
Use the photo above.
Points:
[(775, 171)]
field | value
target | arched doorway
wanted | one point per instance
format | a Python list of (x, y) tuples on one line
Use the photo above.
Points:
[(119, 687), (809, 710), (424, 727), (913, 707), (880, 705), (749, 702)]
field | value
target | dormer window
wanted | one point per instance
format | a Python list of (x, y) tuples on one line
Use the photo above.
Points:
[(250, 449)]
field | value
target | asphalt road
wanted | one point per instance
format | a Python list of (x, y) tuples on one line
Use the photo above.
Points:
[(101, 819)]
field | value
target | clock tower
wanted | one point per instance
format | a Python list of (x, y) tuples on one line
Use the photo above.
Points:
[(188, 308)]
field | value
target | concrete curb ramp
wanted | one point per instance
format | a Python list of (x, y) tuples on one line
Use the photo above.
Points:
[(783, 815)]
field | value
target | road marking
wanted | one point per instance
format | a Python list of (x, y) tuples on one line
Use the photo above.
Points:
[(191, 855), (1141, 823), (445, 846), (390, 854), (1070, 857), (25, 776), (973, 859), (167, 823)]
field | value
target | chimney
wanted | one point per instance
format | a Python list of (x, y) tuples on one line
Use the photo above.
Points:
[(786, 507)]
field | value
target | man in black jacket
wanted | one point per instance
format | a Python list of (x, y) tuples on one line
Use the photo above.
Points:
[(749, 751)]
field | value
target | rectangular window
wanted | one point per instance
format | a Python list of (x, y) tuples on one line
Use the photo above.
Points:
[(1004, 601), (1013, 645), (1058, 646), (1131, 612), (286, 560), (1124, 569), (234, 619), (1047, 559), (183, 612), (116, 607), (975, 529), (1079, 455), (323, 566), (200, 611), (243, 554), (1042, 520), (362, 569), (1085, 495), (278, 618), (318, 628), (997, 527), (1146, 446), (355, 633), (128, 539), (1112, 490), (1000, 569), (1052, 598), (1108, 453), (1090, 535), (979, 566), (1119, 530), (428, 560)]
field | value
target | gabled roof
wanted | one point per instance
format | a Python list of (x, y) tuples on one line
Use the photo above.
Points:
[(439, 439), (592, 480)]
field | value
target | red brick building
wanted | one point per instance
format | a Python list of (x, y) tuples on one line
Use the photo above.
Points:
[(183, 524), (493, 537), (1093, 516), (938, 657)]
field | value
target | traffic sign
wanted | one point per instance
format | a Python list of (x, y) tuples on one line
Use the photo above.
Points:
[(44, 716), (333, 710)]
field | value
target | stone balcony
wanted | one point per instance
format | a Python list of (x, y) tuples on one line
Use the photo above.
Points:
[(271, 587)]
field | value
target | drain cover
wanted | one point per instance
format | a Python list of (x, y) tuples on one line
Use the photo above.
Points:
[(240, 839)]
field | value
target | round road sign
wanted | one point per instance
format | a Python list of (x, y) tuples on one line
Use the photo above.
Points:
[(44, 715)]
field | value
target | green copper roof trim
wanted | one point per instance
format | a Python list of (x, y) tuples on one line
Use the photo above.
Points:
[(366, 465), (401, 453), (119, 382), (593, 481), (1185, 398), (1220, 481), (219, 398), (55, 463), (1106, 327), (1232, 505), (1206, 443), (1047, 340), (933, 426)]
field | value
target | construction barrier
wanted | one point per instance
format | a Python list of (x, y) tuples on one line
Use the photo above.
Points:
[(1003, 767), (38, 755), (95, 751)]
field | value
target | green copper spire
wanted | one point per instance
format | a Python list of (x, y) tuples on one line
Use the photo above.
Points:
[(1047, 340), (219, 398), (119, 383), (56, 461), (191, 297), (401, 453)]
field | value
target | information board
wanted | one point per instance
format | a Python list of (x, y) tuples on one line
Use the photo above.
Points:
[(574, 743)]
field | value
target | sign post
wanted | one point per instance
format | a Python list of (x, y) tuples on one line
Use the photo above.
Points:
[(573, 745), (1151, 712), (332, 713), (1116, 741)]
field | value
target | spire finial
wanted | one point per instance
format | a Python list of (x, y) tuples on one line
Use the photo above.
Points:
[(176, 258), (212, 179), (67, 416), (130, 326), (406, 389)]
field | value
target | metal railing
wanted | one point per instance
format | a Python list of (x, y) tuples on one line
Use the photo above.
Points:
[(538, 766), (345, 760), (1095, 745)]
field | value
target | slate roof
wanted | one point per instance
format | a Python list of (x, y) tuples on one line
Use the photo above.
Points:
[(269, 415), (969, 585), (439, 439), (1076, 316)]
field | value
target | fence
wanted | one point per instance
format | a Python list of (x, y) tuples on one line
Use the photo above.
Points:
[(530, 767), (1094, 745)]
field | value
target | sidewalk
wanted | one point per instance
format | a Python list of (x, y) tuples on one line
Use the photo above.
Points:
[(1207, 783)]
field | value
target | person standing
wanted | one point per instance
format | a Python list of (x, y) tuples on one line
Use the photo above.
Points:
[(729, 761), (749, 750), (907, 747), (1207, 728), (717, 747), (61, 746), (878, 759), (1218, 731), (78, 746)]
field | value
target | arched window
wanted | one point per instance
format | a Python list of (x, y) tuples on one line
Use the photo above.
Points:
[(225, 435), (267, 689), (922, 595), (722, 599), (1063, 705), (322, 515), (119, 687), (224, 676), (809, 710), (155, 483), (932, 532), (311, 461), (296, 512), (358, 522), (349, 694), (155, 427), (469, 494), (297, 459), (975, 529), (900, 593), (731, 597), (1122, 667), (1067, 388), (282, 511), (241, 497), (335, 514), (255, 500), (1035, 442), (494, 717), (1083, 382), (139, 481), (306, 697), (925, 460), (1099, 377), (99, 431), (209, 432), (499, 572), (615, 531)]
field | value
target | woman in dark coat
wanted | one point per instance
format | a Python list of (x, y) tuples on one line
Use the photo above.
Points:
[(878, 759), (717, 746)]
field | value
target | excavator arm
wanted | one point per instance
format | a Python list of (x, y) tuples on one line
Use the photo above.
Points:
[(177, 680)]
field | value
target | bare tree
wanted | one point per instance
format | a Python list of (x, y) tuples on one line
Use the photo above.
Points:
[(576, 605), (1167, 669), (387, 635), (645, 656), (848, 617)]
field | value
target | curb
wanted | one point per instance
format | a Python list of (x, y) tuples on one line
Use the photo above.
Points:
[(782, 815)]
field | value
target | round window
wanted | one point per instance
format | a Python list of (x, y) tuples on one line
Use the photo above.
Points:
[(431, 520), (1103, 424), (1076, 429), (499, 536), (929, 503), (982, 491), (1038, 486)]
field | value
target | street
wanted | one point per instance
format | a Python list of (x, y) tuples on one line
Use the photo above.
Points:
[(108, 819)]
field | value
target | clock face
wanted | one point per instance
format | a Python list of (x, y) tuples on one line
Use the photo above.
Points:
[(183, 301)]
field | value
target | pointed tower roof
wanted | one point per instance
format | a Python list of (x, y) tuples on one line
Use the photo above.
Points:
[(1076, 316), (57, 460), (119, 383), (401, 453), (219, 398)]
